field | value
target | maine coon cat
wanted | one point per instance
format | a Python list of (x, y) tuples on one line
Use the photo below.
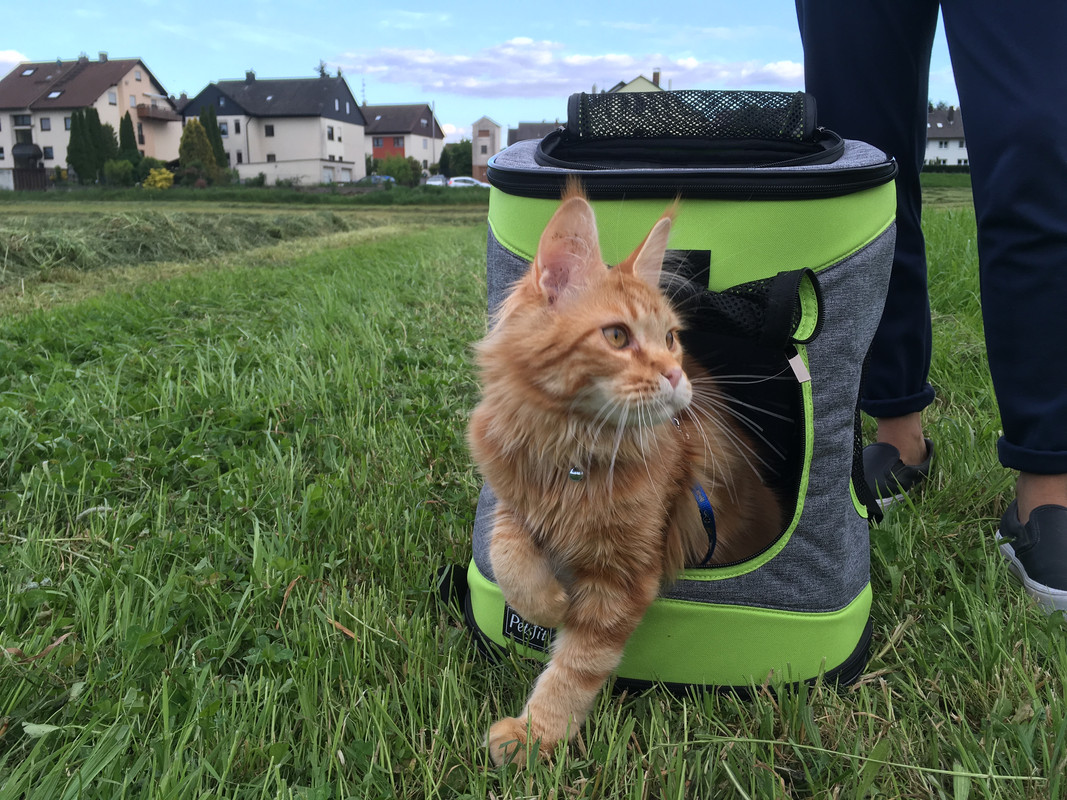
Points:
[(592, 433)]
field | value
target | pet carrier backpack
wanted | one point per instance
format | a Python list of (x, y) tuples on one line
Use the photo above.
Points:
[(789, 232)]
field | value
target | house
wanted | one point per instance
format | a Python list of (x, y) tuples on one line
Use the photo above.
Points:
[(485, 143), (638, 84), (531, 130), (945, 143), (411, 131), (308, 130), (37, 100)]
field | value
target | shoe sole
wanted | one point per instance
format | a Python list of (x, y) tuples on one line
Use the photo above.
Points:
[(888, 502), (1048, 598)]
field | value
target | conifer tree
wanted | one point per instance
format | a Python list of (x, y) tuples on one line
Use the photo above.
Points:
[(194, 150), (214, 136), (94, 143), (127, 142)]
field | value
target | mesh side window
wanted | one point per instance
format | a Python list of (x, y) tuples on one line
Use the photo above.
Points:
[(775, 116)]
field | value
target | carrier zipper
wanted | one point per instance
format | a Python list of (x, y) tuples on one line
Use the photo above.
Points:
[(602, 185)]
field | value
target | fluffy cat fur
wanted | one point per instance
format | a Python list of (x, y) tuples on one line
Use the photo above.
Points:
[(583, 368)]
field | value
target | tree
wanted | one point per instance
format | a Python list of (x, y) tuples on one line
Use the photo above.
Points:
[(194, 154), (127, 142), (109, 144), (79, 155), (211, 127), (95, 142), (456, 159), (400, 169)]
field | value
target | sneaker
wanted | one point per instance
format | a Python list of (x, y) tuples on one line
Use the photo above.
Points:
[(888, 478), (1037, 553)]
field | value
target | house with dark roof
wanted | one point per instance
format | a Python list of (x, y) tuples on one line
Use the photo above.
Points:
[(531, 130), (945, 143), (308, 130), (37, 100), (410, 130)]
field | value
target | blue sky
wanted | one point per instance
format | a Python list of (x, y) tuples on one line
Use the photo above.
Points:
[(513, 62)]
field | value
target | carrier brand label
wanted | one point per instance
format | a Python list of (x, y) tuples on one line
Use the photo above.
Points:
[(526, 633)]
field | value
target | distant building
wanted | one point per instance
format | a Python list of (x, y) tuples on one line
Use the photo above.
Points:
[(308, 130), (485, 143), (946, 144), (37, 100), (410, 130), (639, 84), (531, 130)]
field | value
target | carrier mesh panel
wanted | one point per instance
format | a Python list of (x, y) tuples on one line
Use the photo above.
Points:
[(742, 311), (777, 116)]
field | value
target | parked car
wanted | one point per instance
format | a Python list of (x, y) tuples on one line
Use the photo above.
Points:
[(437, 180), (463, 181), (375, 180)]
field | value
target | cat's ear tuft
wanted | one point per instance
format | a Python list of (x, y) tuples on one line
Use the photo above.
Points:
[(647, 261), (569, 251)]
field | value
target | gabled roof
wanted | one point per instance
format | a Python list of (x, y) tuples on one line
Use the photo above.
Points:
[(289, 97), (79, 83), (530, 130), (393, 119), (944, 123)]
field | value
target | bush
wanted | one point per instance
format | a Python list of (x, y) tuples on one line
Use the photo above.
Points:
[(257, 182), (119, 172), (146, 165), (159, 178)]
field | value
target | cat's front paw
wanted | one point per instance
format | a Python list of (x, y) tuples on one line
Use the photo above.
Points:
[(507, 741)]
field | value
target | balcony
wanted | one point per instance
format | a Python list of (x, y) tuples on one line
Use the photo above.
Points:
[(163, 114)]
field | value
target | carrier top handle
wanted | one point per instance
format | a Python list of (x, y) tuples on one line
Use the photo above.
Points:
[(689, 128)]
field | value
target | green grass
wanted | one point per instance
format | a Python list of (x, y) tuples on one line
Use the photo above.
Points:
[(225, 490)]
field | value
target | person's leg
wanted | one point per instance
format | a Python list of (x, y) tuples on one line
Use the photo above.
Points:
[(867, 65), (1011, 70)]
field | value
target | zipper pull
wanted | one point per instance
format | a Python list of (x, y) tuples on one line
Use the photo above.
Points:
[(800, 369)]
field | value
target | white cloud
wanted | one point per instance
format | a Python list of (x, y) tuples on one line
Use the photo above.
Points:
[(525, 68), (9, 59)]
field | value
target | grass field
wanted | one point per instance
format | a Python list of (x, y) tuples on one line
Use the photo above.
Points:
[(227, 482)]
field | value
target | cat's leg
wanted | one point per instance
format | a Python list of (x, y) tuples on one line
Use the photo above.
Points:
[(586, 651), (524, 574)]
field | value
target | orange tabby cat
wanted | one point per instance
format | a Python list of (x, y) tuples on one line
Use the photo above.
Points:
[(589, 436)]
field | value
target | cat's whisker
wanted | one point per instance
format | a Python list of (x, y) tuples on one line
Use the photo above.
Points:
[(721, 403)]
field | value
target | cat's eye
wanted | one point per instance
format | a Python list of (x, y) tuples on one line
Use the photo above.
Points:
[(670, 340), (617, 336)]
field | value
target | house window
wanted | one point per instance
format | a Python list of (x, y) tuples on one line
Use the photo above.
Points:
[(377, 141), (133, 101), (66, 123), (336, 104), (140, 133), (333, 158), (348, 107), (962, 162), (113, 98), (22, 120), (942, 145), (485, 149), (329, 132), (137, 74), (48, 153), (240, 157), (1, 154), (222, 102), (268, 130), (270, 158), (237, 126), (963, 143), (28, 71), (484, 132), (55, 94), (224, 129), (425, 123), (398, 141), (46, 123)]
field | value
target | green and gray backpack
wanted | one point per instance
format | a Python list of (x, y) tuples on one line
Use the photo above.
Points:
[(788, 231)]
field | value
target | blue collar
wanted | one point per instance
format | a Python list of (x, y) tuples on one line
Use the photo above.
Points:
[(707, 516)]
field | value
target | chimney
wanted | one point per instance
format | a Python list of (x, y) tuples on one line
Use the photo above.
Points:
[(655, 77), (951, 114), (250, 75), (103, 56)]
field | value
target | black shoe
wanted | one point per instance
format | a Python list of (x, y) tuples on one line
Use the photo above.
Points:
[(1037, 553), (888, 478)]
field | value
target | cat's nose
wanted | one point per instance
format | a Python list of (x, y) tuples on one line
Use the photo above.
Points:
[(673, 375)]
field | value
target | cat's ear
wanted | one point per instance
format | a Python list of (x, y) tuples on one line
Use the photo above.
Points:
[(646, 262), (569, 251)]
